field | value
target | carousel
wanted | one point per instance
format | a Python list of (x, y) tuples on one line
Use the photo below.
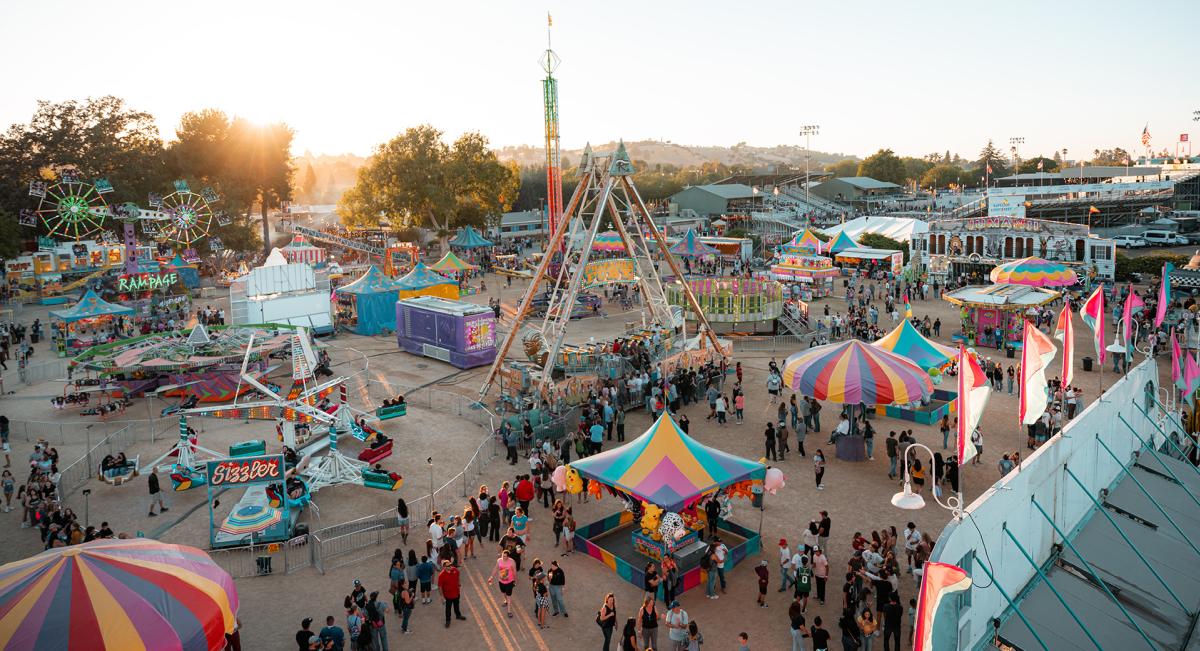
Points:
[(992, 315)]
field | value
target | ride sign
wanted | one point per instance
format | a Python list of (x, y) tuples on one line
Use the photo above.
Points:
[(146, 281), (245, 470)]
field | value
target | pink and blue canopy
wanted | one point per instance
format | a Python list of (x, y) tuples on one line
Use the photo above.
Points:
[(691, 246), (666, 467), (841, 243), (1034, 272), (852, 372)]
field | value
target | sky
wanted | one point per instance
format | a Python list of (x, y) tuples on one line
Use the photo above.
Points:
[(916, 77)]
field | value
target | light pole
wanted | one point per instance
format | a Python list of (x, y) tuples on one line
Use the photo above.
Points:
[(429, 461), (808, 131), (910, 501), (1014, 142)]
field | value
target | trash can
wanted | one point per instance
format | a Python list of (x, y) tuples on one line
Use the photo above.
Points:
[(1010, 353), (756, 496), (1087, 363)]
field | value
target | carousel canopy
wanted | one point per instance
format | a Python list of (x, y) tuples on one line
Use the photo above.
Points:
[(1000, 297), (88, 307), (910, 344), (301, 250), (691, 246), (666, 467), (1034, 272), (852, 372), (608, 241), (842, 243), (469, 238), (117, 594), (451, 263), (373, 281)]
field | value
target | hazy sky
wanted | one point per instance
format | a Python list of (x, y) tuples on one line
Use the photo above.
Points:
[(914, 76)]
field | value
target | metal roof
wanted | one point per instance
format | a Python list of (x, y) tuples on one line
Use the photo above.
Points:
[(1088, 172), (1148, 603), (867, 183), (726, 190)]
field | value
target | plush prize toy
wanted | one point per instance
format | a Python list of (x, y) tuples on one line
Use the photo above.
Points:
[(574, 481), (773, 480), (651, 518), (671, 527), (559, 478), (595, 490)]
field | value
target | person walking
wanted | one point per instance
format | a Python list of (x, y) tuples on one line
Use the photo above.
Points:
[(558, 584), (796, 618), (893, 453), (606, 618), (819, 468), (156, 495), (892, 616), (677, 626), (820, 636), (770, 440), (820, 569), (803, 583), (647, 623), (944, 427), (506, 571), (448, 586), (375, 620)]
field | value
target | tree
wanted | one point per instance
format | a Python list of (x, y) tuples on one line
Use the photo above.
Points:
[(843, 168), (942, 176), (1115, 156), (308, 184), (416, 178), (1031, 165), (991, 156), (884, 165), (877, 241), (264, 165), (915, 168)]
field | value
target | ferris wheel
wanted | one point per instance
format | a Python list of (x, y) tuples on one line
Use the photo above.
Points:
[(189, 215), (71, 208)]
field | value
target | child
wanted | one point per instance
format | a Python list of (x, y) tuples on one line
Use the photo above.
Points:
[(764, 579), (739, 403), (568, 533)]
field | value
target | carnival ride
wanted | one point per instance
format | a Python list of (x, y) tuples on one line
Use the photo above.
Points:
[(730, 300), (605, 192)]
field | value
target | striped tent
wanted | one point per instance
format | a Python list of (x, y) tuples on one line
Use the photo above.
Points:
[(666, 467), (841, 243), (299, 250), (691, 246), (852, 372), (910, 344), (117, 594), (451, 264), (806, 240), (1034, 272)]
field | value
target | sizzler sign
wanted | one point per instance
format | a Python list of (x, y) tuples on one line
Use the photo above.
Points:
[(250, 470)]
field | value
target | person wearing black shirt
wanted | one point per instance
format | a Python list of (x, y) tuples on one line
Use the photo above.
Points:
[(892, 615), (851, 635), (820, 636), (304, 634), (796, 616), (712, 509)]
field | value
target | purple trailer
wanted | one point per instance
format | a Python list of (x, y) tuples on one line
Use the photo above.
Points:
[(461, 333)]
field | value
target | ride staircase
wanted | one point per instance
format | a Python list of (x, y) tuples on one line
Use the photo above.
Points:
[(795, 326), (814, 203), (970, 209)]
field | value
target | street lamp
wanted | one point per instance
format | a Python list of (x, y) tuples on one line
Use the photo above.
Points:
[(1014, 142), (808, 131), (910, 501)]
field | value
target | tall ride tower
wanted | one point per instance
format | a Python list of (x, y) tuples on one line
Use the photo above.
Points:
[(554, 194)]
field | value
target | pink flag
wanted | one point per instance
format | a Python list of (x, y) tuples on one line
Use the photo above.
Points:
[(1093, 314), (1176, 371), (973, 390), (1133, 305), (1037, 351), (1064, 331), (1164, 295), (1191, 377)]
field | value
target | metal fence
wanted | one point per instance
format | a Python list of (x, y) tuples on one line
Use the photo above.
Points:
[(265, 559), (348, 548), (77, 474), (67, 432), (34, 373), (778, 344)]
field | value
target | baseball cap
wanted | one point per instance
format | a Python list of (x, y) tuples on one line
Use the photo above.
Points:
[(763, 562), (357, 582), (783, 542), (674, 604)]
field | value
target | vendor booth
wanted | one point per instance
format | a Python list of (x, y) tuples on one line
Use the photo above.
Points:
[(422, 281), (461, 333), (299, 250), (367, 306), (810, 275), (993, 315), (885, 260), (660, 481), (90, 322)]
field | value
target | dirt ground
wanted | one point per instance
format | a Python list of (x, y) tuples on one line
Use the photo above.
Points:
[(856, 496)]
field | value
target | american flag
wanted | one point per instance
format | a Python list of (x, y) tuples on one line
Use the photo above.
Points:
[(1146, 136), (1040, 164)]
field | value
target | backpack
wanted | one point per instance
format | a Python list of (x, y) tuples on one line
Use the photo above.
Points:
[(365, 637), (706, 560)]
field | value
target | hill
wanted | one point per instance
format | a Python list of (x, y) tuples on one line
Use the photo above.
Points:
[(657, 152)]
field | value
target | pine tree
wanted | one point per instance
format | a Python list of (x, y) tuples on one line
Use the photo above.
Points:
[(946, 157)]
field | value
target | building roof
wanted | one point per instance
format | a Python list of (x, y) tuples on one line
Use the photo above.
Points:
[(521, 217), (727, 190), (1167, 482), (900, 229), (867, 183)]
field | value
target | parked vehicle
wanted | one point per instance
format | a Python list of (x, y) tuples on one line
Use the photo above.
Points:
[(1159, 238), (1129, 242)]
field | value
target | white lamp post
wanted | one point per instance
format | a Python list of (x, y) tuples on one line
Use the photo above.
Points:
[(910, 501), (808, 131)]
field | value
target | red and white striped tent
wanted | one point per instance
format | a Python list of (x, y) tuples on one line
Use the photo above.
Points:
[(299, 250)]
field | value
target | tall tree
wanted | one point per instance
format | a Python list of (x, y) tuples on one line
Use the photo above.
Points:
[(308, 184), (1031, 165), (942, 176), (990, 155), (265, 164), (843, 168), (1115, 156), (884, 165)]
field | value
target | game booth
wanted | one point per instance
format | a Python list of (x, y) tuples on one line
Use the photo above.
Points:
[(460, 333), (422, 281), (367, 306), (868, 259), (906, 341), (660, 481), (299, 250), (87, 323), (730, 301), (808, 275), (993, 315)]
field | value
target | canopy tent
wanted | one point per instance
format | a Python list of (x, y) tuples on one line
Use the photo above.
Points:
[(852, 372), (804, 240), (187, 272), (299, 250), (371, 300), (469, 238), (842, 243), (421, 281), (275, 259), (901, 229), (88, 307), (608, 241), (117, 594), (451, 263), (691, 246), (910, 344), (666, 467), (1034, 272)]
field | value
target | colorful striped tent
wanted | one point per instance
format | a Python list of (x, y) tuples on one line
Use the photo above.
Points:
[(666, 467), (907, 342), (451, 264), (852, 372), (608, 241), (805, 240), (422, 281), (300, 250), (469, 238), (691, 246), (841, 243), (117, 594), (1034, 272)]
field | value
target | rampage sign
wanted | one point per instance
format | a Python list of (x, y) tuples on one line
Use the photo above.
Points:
[(147, 281), (249, 470)]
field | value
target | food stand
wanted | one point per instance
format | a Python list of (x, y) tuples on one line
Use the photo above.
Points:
[(986, 309)]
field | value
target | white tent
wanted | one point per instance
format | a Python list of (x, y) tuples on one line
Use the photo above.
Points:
[(901, 229)]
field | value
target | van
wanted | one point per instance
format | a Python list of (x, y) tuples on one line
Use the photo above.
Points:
[(1159, 238)]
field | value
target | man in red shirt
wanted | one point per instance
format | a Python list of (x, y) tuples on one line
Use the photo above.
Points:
[(448, 585), (524, 491)]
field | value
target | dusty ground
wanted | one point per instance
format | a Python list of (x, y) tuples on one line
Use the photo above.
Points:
[(856, 496)]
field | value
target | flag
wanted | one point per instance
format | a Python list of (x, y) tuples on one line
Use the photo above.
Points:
[(973, 391), (907, 307), (1092, 313), (1176, 371), (936, 622), (1133, 305), (1146, 135), (989, 168), (1064, 331), (1092, 210), (1037, 351), (1041, 162), (549, 20), (1164, 295), (1191, 378)]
